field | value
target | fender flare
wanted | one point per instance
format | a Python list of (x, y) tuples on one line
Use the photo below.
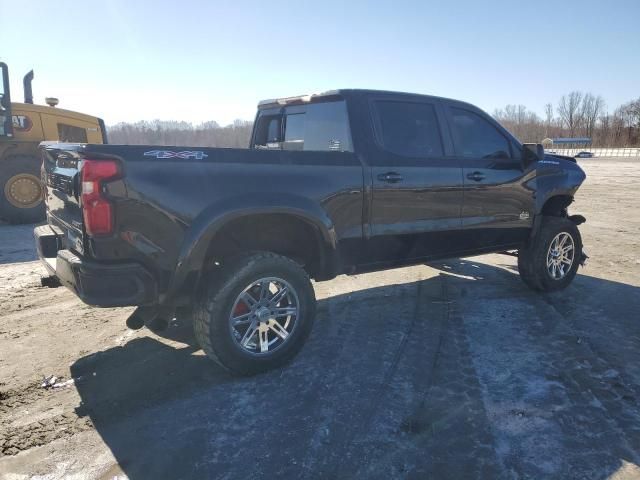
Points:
[(537, 223), (208, 223)]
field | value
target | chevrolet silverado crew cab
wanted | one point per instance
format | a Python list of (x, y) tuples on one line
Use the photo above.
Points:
[(343, 182)]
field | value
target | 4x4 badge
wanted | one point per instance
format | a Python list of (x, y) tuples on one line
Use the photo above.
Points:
[(186, 154)]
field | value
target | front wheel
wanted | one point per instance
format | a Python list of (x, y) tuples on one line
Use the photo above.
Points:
[(255, 313), (551, 261)]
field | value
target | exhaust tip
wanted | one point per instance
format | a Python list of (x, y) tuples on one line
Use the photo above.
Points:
[(155, 318), (135, 320)]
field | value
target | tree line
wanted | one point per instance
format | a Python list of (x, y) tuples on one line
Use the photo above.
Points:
[(576, 114), (171, 132)]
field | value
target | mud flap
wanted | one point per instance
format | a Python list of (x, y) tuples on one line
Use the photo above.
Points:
[(579, 220), (583, 259)]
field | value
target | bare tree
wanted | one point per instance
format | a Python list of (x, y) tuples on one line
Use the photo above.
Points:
[(158, 132), (569, 110), (523, 123), (548, 112), (591, 108), (604, 132), (630, 113)]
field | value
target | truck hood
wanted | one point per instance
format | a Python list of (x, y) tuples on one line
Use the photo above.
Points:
[(558, 174), (561, 157)]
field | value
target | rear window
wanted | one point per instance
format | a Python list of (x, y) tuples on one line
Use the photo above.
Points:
[(317, 127), (71, 134), (268, 132), (409, 129)]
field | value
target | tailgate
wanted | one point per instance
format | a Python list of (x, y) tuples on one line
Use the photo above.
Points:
[(61, 176)]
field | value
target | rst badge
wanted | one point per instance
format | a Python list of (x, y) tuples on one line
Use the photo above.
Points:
[(185, 154)]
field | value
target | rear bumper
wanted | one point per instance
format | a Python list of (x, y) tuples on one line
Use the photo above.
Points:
[(96, 283)]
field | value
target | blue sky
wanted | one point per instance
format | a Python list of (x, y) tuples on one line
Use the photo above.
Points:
[(213, 60)]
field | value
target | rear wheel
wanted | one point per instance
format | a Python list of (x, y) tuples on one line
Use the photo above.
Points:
[(255, 314), (21, 190), (551, 260)]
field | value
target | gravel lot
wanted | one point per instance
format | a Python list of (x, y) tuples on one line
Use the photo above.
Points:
[(451, 370)]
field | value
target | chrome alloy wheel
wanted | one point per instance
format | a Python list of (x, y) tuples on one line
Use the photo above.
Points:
[(560, 256), (264, 315)]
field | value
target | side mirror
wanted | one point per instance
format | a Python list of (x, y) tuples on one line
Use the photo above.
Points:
[(532, 152)]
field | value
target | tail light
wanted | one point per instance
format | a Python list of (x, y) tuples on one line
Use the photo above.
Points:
[(97, 209)]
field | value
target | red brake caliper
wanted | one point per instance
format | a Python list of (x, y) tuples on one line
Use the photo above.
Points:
[(241, 309)]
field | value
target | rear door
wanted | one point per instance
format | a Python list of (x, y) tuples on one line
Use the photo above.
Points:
[(316, 145), (417, 189), (497, 204)]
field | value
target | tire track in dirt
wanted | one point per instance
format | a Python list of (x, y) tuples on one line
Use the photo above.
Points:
[(14, 398), (38, 310), (15, 437), (349, 463), (35, 434), (411, 416), (613, 391), (433, 408), (331, 429), (548, 414)]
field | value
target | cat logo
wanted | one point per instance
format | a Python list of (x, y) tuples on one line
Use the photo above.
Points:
[(21, 123), (524, 215)]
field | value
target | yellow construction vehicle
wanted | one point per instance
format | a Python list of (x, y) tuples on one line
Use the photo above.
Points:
[(22, 127)]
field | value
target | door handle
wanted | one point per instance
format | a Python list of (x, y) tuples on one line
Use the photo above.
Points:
[(390, 177), (477, 176)]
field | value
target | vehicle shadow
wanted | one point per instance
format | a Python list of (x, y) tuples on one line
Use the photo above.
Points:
[(17, 243), (386, 387)]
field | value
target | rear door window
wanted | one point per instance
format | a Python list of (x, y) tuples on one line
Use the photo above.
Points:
[(474, 136), (409, 129), (319, 127), (294, 132)]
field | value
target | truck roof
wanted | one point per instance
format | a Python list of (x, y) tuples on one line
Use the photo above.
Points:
[(339, 93)]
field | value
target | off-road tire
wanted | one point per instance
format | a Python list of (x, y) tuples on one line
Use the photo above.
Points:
[(216, 299), (532, 260), (184, 314), (10, 167)]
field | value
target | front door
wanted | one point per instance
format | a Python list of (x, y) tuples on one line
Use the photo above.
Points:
[(498, 205), (417, 189)]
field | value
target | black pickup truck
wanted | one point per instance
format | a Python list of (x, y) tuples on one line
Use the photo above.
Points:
[(343, 182)]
